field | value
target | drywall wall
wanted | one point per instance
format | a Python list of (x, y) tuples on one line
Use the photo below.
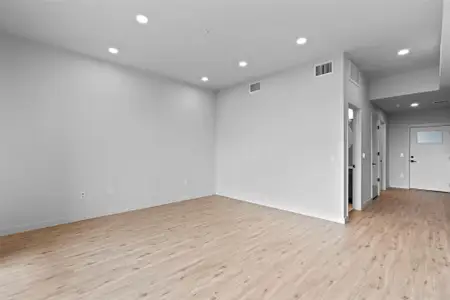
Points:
[(419, 81), (284, 146), (69, 124), (419, 117), (398, 156), (445, 47), (398, 132)]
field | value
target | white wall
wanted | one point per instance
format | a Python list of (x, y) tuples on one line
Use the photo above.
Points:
[(70, 124), (445, 46), (420, 81), (284, 146), (398, 156), (399, 125), (419, 117)]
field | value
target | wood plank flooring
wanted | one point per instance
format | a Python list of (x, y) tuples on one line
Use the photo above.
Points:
[(217, 248)]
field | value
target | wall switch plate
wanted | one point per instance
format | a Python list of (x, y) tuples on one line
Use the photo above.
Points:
[(364, 156), (402, 154)]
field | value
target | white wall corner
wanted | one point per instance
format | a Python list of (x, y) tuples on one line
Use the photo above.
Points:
[(292, 209), (366, 204)]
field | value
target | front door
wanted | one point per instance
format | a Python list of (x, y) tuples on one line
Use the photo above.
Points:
[(430, 158)]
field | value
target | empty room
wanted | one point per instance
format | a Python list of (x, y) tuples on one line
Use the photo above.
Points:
[(225, 149)]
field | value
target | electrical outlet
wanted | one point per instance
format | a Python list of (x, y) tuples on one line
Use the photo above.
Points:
[(82, 195), (186, 182)]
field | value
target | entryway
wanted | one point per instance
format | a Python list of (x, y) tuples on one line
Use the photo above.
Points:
[(354, 159), (430, 158)]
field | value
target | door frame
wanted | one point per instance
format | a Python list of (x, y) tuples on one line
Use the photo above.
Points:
[(382, 140), (374, 154), (384, 157), (381, 158), (357, 159)]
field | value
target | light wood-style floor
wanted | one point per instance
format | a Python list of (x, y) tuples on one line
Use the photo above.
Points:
[(220, 249)]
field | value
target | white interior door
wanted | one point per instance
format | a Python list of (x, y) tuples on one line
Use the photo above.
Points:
[(430, 158), (375, 157)]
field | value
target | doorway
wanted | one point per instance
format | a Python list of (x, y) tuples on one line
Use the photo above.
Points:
[(430, 158), (351, 156), (354, 159), (376, 156)]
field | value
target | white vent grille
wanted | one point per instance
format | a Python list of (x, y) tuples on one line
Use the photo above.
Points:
[(255, 87), (323, 69), (440, 102), (355, 74)]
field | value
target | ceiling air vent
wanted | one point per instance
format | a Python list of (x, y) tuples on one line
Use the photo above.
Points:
[(255, 87), (323, 69), (355, 74), (440, 102)]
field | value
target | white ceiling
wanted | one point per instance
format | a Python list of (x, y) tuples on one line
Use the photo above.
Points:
[(188, 39)]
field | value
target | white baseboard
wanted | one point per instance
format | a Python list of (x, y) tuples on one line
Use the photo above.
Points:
[(399, 187), (303, 212), (367, 203), (50, 223), (28, 227), (44, 224)]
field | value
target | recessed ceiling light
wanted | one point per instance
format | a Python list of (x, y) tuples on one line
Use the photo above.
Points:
[(404, 52), (414, 104), (113, 50), (205, 79), (302, 41), (141, 19), (243, 64)]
